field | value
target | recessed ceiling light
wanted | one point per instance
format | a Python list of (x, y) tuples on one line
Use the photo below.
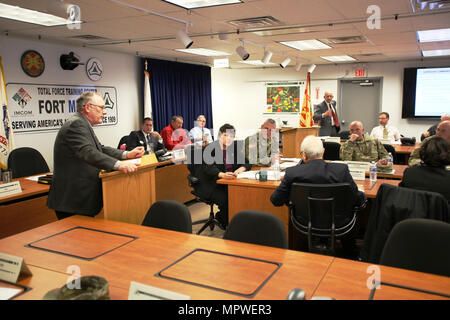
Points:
[(221, 63), (194, 4), (204, 52), (257, 63), (433, 35), (306, 44), (32, 16), (338, 58), (436, 53)]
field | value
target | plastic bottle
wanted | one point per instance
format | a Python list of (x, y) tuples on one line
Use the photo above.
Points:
[(390, 160), (373, 172), (276, 168)]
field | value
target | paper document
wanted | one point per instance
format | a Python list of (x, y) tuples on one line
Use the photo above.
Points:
[(252, 175), (35, 178), (285, 165), (8, 293), (296, 160)]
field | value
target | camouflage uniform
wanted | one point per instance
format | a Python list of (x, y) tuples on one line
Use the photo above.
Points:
[(369, 149), (258, 150), (414, 157)]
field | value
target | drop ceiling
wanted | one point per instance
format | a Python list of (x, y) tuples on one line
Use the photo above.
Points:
[(342, 24)]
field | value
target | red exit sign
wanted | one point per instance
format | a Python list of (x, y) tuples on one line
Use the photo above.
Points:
[(360, 73)]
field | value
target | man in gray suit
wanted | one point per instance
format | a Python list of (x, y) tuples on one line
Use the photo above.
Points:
[(78, 158), (326, 114)]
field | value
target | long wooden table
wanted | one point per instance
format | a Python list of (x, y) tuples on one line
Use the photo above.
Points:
[(221, 264), (25, 210)]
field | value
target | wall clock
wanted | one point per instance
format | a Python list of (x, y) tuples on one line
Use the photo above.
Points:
[(32, 63)]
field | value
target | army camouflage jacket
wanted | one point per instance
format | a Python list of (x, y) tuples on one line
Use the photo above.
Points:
[(368, 149), (414, 157), (258, 150)]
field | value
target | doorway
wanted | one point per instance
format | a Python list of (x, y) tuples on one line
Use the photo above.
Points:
[(360, 100)]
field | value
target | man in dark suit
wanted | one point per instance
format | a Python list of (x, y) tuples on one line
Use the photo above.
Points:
[(314, 169), (326, 114), (79, 157), (150, 140)]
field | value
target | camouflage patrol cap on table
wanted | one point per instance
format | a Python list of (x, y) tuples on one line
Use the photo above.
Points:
[(91, 288), (383, 168)]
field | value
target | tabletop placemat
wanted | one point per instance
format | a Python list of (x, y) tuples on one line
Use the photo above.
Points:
[(83, 243), (220, 271)]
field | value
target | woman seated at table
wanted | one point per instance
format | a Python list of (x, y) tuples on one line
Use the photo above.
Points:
[(222, 159), (432, 174)]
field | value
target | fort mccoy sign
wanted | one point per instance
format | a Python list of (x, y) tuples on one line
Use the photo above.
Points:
[(45, 107)]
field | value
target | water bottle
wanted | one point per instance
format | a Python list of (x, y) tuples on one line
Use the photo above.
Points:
[(276, 168), (389, 160), (373, 172)]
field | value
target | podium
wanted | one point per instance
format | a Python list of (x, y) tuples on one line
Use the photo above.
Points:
[(127, 197), (292, 139)]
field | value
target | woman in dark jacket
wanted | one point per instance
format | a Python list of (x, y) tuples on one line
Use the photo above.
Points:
[(432, 174)]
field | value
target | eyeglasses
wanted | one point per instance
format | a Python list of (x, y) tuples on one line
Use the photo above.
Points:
[(96, 105)]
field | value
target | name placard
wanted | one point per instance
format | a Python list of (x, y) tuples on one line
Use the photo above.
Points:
[(178, 154), (385, 141), (358, 165), (11, 267), (333, 139), (358, 174), (7, 189), (139, 291)]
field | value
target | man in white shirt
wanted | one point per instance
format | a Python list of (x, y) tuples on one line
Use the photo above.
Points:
[(199, 134), (384, 130)]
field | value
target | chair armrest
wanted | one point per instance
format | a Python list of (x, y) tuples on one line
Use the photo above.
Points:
[(192, 180)]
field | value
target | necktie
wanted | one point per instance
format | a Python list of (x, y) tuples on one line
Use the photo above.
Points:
[(333, 114), (148, 142), (385, 133)]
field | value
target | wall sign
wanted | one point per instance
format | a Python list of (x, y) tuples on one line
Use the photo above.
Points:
[(45, 107), (32, 63), (94, 69)]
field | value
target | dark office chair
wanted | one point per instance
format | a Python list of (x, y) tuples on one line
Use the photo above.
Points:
[(194, 156), (170, 215), (122, 141), (331, 150), (323, 210), (420, 245), (391, 149), (26, 162), (344, 135), (257, 227)]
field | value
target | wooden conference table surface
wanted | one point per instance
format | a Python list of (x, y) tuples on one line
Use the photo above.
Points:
[(233, 266)]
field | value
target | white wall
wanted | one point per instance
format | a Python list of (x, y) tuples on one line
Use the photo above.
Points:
[(238, 95), (120, 71)]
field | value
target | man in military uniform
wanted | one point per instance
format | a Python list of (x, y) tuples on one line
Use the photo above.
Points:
[(362, 148), (258, 147), (443, 131)]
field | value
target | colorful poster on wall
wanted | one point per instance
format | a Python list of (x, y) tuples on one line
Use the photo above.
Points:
[(283, 97), (45, 107)]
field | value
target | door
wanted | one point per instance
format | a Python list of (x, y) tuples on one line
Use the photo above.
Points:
[(359, 102)]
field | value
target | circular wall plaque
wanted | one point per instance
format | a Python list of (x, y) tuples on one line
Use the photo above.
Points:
[(32, 63), (94, 69)]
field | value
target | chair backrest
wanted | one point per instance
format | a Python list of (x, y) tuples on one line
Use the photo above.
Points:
[(169, 214), (336, 196), (26, 162), (122, 141), (391, 149), (331, 150), (420, 245), (257, 227), (344, 135)]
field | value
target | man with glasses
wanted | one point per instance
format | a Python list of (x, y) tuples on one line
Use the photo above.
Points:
[(199, 134), (385, 130), (78, 157)]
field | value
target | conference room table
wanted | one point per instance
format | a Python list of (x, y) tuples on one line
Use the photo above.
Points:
[(197, 266), (25, 210), (405, 151)]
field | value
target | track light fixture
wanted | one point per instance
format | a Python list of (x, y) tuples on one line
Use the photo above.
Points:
[(183, 37), (311, 68), (241, 51), (267, 56), (285, 62)]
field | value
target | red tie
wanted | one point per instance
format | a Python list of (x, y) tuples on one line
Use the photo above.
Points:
[(333, 114)]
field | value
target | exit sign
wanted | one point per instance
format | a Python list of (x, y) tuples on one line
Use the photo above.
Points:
[(361, 72)]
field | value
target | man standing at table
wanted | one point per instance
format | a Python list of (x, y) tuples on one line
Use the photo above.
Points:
[(78, 158), (326, 114), (362, 148), (385, 130), (146, 137), (174, 136), (443, 131), (199, 134)]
